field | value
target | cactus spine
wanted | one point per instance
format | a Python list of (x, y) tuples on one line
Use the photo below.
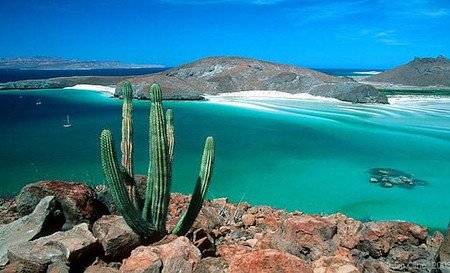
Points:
[(152, 220)]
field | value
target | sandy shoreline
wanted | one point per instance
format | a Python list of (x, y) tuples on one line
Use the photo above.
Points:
[(98, 88), (267, 94)]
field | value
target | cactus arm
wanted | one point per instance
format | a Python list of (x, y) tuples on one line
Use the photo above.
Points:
[(170, 133), (160, 165), (206, 167), (127, 140), (115, 179)]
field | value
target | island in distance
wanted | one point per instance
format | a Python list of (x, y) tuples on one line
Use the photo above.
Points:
[(216, 75), (49, 63), (418, 74)]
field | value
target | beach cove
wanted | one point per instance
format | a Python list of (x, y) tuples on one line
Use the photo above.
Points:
[(304, 154)]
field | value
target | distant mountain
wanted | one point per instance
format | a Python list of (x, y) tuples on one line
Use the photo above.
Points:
[(215, 75), (47, 63), (420, 72)]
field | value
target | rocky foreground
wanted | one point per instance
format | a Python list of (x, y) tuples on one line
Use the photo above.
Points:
[(54, 226)]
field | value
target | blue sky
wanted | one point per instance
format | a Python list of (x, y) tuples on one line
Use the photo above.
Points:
[(320, 34)]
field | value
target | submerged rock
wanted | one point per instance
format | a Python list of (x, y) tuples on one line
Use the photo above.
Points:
[(388, 178), (28, 227)]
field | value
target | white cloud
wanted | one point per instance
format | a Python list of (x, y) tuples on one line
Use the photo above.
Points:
[(386, 37)]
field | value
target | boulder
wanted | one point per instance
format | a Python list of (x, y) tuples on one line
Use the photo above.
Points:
[(78, 201), (115, 236), (267, 260), (74, 246), (306, 236), (179, 255), (444, 253), (334, 264), (58, 267), (212, 265), (28, 227), (377, 238), (100, 266)]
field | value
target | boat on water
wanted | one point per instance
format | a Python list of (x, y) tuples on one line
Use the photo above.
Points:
[(67, 124), (39, 102)]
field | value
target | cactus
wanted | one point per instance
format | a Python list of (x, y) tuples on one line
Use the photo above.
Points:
[(151, 221), (127, 140)]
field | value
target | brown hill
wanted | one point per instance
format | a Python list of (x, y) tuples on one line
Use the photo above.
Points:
[(217, 75), (420, 72)]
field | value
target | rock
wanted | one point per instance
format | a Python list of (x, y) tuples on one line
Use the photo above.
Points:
[(267, 260), (74, 246), (115, 236), (305, 236), (29, 227), (444, 253), (377, 238), (212, 265), (204, 241), (8, 211), (58, 267), (229, 250), (78, 201), (387, 185), (374, 180), (248, 219), (100, 266), (348, 229), (104, 196), (179, 255), (334, 264)]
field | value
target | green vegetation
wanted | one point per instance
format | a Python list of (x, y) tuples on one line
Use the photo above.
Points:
[(151, 220)]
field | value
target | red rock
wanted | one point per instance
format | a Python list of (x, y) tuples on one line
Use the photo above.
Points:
[(142, 259), (248, 219), (212, 265), (306, 236), (267, 261), (78, 201), (334, 264), (229, 250), (378, 238), (348, 229), (115, 236), (100, 267), (179, 255)]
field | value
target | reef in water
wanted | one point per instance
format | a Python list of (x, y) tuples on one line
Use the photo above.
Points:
[(388, 178)]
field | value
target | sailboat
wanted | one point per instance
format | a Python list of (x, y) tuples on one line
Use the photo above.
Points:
[(67, 124)]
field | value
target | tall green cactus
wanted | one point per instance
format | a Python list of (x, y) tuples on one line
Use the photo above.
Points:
[(151, 221), (127, 140)]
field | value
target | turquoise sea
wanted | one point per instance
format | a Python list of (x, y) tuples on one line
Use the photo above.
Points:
[(311, 156)]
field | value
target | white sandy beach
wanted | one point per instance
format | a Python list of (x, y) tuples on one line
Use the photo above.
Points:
[(267, 94), (99, 88)]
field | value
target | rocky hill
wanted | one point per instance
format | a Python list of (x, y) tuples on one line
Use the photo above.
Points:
[(216, 75), (49, 63), (420, 72)]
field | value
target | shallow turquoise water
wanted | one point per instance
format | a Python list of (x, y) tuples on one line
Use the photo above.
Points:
[(298, 155)]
